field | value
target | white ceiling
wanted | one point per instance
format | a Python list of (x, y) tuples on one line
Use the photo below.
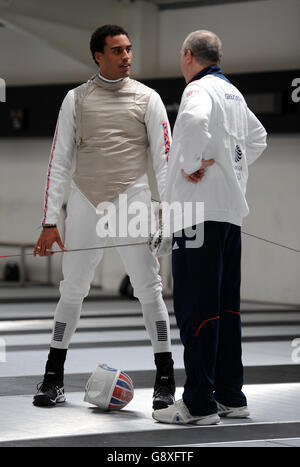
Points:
[(175, 4), (46, 41), (26, 59)]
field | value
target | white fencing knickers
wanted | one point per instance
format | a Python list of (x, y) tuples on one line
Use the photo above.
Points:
[(79, 268)]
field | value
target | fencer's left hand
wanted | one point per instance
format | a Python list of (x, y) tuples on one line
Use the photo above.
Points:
[(44, 244), (199, 174), (160, 244)]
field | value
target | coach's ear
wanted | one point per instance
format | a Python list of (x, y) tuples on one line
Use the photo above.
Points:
[(189, 56)]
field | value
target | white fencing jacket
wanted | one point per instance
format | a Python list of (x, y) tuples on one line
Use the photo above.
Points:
[(214, 122), (63, 154)]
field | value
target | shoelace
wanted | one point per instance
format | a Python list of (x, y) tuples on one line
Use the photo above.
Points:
[(39, 385), (46, 385), (43, 386)]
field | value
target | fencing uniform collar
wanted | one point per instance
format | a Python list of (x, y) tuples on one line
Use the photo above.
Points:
[(210, 70), (108, 84), (109, 80)]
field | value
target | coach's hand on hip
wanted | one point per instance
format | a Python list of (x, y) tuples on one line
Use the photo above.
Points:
[(199, 174), (46, 240)]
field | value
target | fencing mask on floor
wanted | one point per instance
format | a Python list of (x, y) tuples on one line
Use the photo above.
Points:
[(108, 388)]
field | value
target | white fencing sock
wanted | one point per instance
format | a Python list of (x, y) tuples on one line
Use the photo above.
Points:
[(65, 323), (157, 322)]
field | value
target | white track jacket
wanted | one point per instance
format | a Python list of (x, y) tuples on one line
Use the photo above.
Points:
[(63, 154), (214, 122)]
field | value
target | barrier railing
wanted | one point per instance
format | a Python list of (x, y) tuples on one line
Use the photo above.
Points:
[(23, 247)]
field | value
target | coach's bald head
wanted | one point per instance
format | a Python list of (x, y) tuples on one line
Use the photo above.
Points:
[(199, 50)]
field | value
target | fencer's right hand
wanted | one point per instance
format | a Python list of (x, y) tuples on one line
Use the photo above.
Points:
[(45, 242), (160, 244)]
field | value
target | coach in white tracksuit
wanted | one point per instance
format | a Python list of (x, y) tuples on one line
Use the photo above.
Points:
[(104, 130), (213, 124)]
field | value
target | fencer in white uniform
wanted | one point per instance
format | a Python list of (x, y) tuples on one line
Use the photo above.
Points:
[(81, 222), (104, 131)]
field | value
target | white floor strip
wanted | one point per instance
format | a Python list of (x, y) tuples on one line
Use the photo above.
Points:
[(23, 421), (47, 324), (132, 335), (135, 358), (278, 442), (84, 360)]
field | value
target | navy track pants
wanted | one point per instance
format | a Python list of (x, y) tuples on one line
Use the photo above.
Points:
[(207, 309)]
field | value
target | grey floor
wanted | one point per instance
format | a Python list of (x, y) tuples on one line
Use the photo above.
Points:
[(111, 331)]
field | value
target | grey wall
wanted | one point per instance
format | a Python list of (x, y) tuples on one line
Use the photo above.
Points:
[(257, 36), (269, 272), (48, 42)]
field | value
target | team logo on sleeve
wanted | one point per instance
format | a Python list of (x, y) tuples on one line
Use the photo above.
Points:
[(191, 93), (238, 154)]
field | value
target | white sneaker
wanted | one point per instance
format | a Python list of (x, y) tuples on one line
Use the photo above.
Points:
[(179, 414), (233, 412)]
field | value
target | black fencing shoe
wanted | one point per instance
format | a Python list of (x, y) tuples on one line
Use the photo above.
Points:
[(50, 392), (164, 391)]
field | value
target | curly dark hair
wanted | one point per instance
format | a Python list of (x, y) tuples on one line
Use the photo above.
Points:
[(97, 42)]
